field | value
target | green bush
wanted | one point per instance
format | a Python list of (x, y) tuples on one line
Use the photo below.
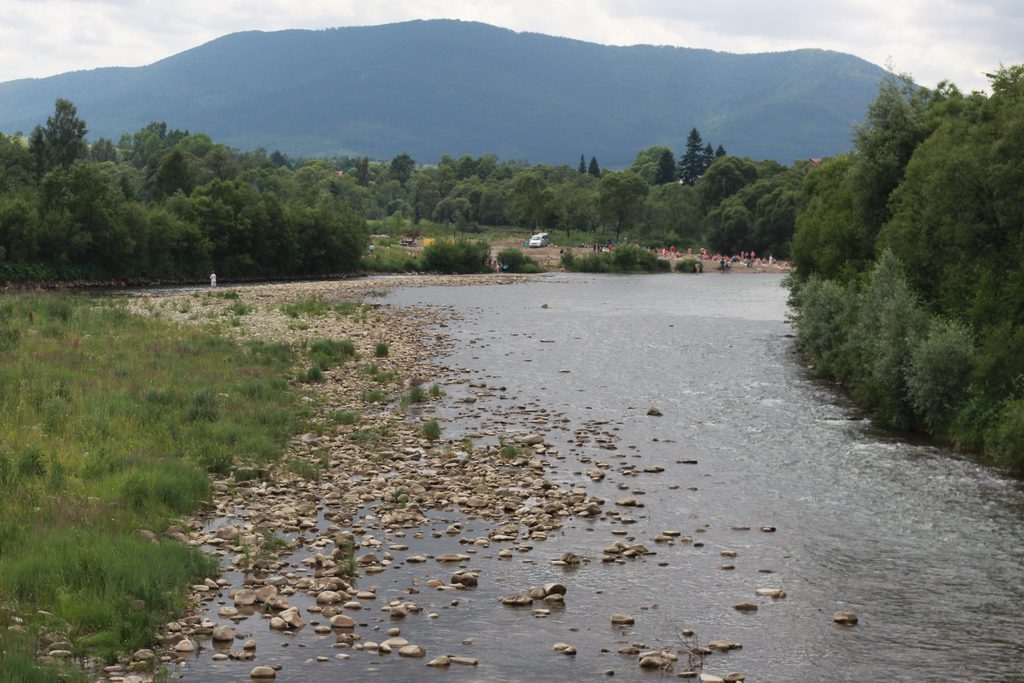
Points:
[(459, 256), (432, 430), (940, 371), (518, 262), (327, 353), (626, 258), (380, 350), (390, 260), (346, 417), (1005, 441)]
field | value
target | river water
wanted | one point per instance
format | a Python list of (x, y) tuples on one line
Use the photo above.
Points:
[(926, 546)]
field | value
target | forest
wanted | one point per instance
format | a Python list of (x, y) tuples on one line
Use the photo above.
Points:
[(169, 204), (908, 255)]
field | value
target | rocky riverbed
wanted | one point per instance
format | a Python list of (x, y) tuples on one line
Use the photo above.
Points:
[(305, 549)]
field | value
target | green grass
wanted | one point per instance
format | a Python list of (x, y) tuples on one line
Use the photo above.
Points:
[(380, 350), (346, 417), (318, 307), (432, 430), (327, 353), (111, 423)]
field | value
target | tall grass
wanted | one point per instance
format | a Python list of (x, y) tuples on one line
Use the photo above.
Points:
[(111, 423)]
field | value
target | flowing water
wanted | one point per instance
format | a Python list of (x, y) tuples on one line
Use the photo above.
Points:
[(926, 546)]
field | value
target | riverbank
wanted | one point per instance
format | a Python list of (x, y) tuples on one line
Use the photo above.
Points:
[(358, 495)]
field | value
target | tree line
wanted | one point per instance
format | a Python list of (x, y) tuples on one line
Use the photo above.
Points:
[(909, 263), (167, 203)]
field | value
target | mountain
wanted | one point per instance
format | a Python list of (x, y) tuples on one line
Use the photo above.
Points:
[(439, 87)]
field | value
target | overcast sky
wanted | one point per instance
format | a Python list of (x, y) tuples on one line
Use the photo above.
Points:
[(958, 40)]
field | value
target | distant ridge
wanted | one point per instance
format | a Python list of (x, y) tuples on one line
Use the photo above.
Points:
[(439, 87)]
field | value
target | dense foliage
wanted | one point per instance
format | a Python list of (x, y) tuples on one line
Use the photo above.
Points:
[(169, 204), (909, 255)]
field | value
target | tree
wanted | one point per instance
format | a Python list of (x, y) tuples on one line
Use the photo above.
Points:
[(528, 197), (666, 168), (621, 195), (401, 168), (719, 151), (708, 156), (583, 166), (574, 205), (691, 164), (724, 178), (65, 135), (594, 169), (103, 150), (894, 127), (362, 172)]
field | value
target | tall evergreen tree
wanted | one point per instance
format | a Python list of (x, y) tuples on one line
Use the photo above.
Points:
[(666, 168), (594, 169), (720, 151), (583, 165), (708, 156), (691, 164)]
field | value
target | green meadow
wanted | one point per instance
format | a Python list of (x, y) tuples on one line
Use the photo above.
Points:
[(112, 423)]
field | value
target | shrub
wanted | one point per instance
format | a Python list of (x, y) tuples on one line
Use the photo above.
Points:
[(940, 372), (380, 350), (518, 262), (459, 256), (346, 417), (436, 391), (626, 258), (432, 430), (390, 260), (329, 352), (313, 375), (1005, 440)]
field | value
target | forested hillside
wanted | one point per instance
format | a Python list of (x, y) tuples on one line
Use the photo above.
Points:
[(909, 256), (430, 88)]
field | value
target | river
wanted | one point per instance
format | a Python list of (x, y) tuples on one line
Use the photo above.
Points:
[(925, 545)]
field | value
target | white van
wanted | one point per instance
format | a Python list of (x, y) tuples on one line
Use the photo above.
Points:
[(541, 239)]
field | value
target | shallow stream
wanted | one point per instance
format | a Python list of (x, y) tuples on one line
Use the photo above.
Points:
[(926, 546)]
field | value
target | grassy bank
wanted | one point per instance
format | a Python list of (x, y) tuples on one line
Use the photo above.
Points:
[(110, 425)]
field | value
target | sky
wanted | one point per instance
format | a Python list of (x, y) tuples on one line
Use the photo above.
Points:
[(932, 40)]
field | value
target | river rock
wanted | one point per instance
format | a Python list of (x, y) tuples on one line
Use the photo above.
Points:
[(441, 661), (411, 651), (745, 607), (521, 600), (654, 661), (623, 619), (245, 597), (342, 621), (554, 588), (845, 618), (184, 645), (223, 634), (711, 678), (533, 439), (266, 593), (263, 673), (735, 677), (776, 593), (327, 598), (724, 645), (653, 412)]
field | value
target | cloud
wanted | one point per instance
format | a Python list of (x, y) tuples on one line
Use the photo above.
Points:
[(939, 39)]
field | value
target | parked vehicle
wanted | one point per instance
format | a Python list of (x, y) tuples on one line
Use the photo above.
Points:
[(541, 239)]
